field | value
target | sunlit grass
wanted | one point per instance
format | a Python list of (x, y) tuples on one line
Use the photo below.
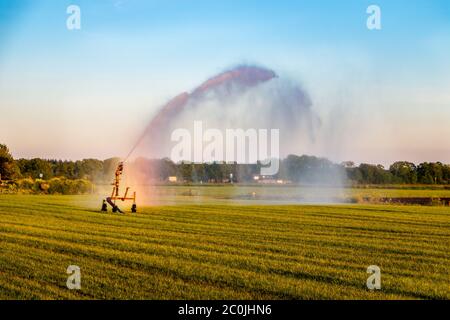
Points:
[(218, 251)]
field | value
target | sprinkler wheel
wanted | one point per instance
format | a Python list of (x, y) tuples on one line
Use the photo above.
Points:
[(104, 206)]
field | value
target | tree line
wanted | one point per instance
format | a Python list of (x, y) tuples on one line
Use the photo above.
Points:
[(295, 169)]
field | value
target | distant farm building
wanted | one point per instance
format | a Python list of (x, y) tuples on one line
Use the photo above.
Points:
[(269, 180)]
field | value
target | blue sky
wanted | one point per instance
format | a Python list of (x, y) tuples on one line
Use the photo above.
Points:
[(131, 56)]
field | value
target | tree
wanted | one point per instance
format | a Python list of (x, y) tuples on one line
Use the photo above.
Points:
[(375, 174), (311, 170), (404, 172), (214, 172), (355, 175), (431, 173), (8, 168), (91, 169), (348, 164), (166, 169), (185, 172), (446, 173), (34, 168)]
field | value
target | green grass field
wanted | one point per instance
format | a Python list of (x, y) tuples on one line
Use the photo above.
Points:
[(221, 251)]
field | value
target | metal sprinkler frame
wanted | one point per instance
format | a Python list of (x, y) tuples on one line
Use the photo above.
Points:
[(115, 194)]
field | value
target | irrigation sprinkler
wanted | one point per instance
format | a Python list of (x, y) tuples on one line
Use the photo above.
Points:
[(115, 195)]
